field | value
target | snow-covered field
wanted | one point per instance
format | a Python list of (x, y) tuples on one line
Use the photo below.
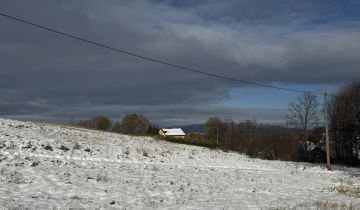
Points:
[(56, 167)]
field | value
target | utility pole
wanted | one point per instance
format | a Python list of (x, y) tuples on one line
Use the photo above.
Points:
[(327, 132)]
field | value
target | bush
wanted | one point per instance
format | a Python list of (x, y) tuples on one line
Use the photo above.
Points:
[(102, 123), (143, 151), (213, 128), (153, 129), (102, 177), (99, 122), (133, 123), (62, 147), (255, 140), (48, 147), (193, 137), (77, 145), (36, 163)]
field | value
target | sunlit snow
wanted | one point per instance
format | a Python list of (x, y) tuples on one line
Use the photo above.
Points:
[(89, 169)]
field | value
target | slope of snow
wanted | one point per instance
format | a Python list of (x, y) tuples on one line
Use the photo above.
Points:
[(98, 170)]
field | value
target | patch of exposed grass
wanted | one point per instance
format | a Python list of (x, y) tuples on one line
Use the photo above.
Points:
[(102, 177), (346, 187), (333, 205), (145, 152), (77, 145), (127, 152)]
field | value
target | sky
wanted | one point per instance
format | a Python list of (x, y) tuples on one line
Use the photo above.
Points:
[(309, 45)]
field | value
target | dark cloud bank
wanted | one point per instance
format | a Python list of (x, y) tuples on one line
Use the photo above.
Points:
[(44, 76)]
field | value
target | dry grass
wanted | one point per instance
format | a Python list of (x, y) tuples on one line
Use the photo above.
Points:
[(333, 205), (346, 187), (102, 177), (77, 145), (144, 151)]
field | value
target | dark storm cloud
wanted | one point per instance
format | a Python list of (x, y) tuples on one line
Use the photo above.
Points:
[(47, 76)]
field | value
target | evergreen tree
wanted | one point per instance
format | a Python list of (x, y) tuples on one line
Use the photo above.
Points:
[(150, 129)]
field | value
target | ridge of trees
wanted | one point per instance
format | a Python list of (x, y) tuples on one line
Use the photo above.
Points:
[(132, 123), (344, 112), (302, 139)]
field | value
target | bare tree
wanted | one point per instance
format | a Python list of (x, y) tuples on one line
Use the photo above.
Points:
[(303, 114), (213, 127)]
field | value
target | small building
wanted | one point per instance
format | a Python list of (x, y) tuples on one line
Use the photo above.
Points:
[(172, 132)]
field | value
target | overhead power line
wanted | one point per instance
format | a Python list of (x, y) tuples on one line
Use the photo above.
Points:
[(177, 67)]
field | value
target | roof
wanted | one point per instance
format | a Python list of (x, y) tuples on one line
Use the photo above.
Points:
[(173, 131)]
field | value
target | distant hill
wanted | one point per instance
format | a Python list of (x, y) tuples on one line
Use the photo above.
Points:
[(259, 127), (273, 128), (189, 128)]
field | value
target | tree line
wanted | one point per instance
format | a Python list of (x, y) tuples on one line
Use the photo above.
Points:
[(302, 139), (132, 123), (344, 112)]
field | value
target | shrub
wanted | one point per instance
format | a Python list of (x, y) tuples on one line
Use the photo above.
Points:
[(77, 145), (48, 147), (35, 163), (102, 123), (193, 137), (143, 151), (99, 122), (126, 152), (213, 128), (102, 177), (62, 147), (153, 129), (320, 204), (133, 123)]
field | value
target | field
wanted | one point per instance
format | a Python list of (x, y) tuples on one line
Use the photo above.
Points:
[(45, 166)]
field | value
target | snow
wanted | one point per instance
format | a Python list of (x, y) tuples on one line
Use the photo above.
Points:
[(103, 170), (173, 131)]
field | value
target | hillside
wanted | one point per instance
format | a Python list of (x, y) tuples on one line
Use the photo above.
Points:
[(262, 128), (47, 166), (200, 128)]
